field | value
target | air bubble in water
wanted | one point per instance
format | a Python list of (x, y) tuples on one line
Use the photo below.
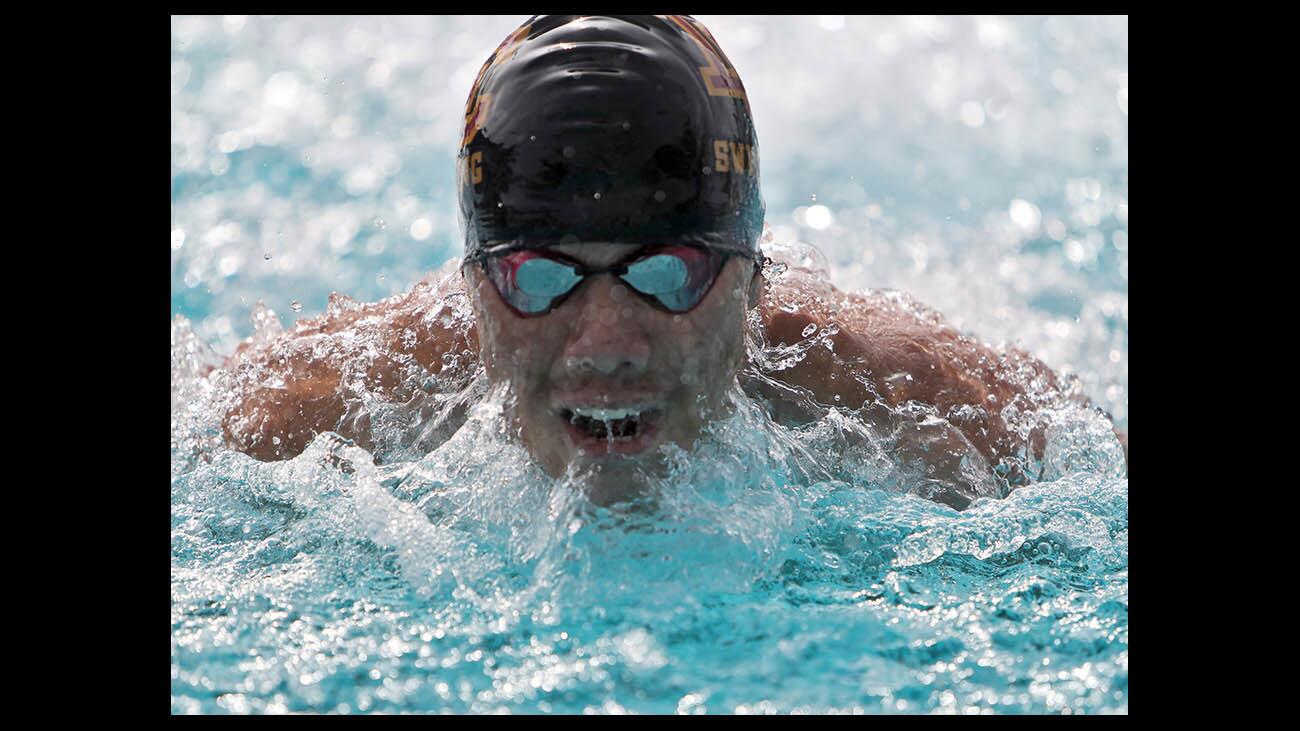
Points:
[(380, 223), (296, 306), (810, 329), (266, 256)]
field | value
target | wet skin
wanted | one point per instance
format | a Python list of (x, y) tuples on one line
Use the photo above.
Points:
[(605, 347)]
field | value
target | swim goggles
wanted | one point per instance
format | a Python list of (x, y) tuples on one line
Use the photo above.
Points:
[(533, 282)]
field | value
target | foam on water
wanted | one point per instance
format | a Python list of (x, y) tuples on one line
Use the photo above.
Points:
[(765, 571)]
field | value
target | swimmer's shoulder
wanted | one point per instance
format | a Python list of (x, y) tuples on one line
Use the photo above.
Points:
[(867, 324)]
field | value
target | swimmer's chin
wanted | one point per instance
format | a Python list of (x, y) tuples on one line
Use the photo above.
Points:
[(610, 484), (610, 479)]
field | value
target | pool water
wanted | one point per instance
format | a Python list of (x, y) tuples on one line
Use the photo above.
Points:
[(977, 163)]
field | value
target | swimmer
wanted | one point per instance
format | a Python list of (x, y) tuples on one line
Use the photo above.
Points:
[(609, 194)]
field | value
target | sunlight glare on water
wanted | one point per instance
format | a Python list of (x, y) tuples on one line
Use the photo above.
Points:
[(979, 164)]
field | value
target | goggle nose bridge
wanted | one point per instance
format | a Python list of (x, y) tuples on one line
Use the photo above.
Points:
[(582, 270)]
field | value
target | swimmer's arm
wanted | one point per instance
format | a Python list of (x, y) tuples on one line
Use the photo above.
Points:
[(890, 350), (293, 387)]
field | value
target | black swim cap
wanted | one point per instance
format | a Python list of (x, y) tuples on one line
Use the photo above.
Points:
[(619, 129)]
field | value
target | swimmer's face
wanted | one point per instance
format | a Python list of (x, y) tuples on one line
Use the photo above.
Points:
[(605, 378)]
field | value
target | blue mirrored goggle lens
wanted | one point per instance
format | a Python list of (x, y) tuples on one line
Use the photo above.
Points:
[(678, 279), (659, 274), (532, 283), (541, 277)]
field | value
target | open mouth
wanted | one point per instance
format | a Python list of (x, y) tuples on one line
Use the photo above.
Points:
[(606, 430)]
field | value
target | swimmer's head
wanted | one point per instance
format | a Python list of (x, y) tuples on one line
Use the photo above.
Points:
[(610, 198), (623, 129)]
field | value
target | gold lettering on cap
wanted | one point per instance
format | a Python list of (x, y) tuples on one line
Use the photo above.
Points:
[(475, 163), (738, 156), (734, 157), (720, 77), (721, 162)]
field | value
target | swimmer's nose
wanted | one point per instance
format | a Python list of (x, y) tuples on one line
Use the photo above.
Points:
[(607, 336)]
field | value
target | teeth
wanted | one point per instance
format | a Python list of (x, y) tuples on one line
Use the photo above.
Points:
[(608, 414)]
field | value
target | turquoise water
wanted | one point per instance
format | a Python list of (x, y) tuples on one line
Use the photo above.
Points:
[(977, 163)]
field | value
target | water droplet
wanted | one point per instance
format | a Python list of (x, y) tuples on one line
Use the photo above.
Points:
[(814, 197), (266, 256), (597, 196), (500, 204), (810, 329), (532, 138), (627, 125), (275, 440), (569, 151), (380, 223), (296, 306), (660, 196)]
